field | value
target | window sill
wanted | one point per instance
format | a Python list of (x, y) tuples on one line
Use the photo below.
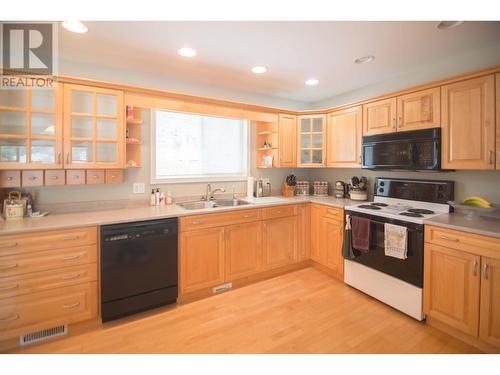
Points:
[(190, 180)]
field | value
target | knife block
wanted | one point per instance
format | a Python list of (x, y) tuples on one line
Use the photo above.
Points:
[(287, 191)]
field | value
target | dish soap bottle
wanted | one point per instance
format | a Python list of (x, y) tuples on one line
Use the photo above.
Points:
[(152, 198)]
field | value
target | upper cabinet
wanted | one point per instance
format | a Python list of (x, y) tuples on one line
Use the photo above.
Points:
[(31, 128), (287, 140), (344, 130), (468, 115), (94, 131), (419, 110), (311, 141), (379, 117)]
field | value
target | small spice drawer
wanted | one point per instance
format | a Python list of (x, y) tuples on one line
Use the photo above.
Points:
[(279, 211), (32, 178), (95, 176), (114, 176), (75, 177), (219, 219), (10, 179), (55, 177)]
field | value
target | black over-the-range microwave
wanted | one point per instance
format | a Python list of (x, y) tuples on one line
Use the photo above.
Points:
[(411, 150)]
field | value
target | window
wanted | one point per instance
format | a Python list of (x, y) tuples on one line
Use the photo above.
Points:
[(190, 147)]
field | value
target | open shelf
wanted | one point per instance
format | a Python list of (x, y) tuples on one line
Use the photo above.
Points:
[(133, 141)]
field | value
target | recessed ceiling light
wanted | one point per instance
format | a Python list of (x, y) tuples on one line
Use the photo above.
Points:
[(259, 69), (312, 82), (75, 26), (445, 25), (364, 59), (187, 52)]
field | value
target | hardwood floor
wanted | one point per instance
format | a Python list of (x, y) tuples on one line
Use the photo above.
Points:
[(301, 312)]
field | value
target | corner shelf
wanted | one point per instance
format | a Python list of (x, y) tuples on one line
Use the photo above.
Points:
[(133, 141)]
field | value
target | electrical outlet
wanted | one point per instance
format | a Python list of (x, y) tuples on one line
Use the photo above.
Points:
[(139, 188)]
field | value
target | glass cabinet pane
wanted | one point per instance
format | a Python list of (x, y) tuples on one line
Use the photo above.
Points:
[(106, 129), (106, 105), (305, 141), (81, 152), (13, 98), (305, 156), (43, 151), (106, 152), (12, 151), (305, 125), (317, 157), (12, 122), (82, 102), (82, 127), (317, 125), (317, 140), (42, 124), (43, 99)]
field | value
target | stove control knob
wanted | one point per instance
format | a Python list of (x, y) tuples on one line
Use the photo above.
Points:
[(381, 190), (381, 183)]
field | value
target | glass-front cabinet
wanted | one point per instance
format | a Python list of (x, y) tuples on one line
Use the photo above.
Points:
[(312, 140), (31, 128), (94, 131)]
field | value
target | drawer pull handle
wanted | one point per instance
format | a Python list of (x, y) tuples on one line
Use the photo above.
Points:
[(95, 176), (32, 178), (279, 211), (71, 257), (71, 305), (9, 319), (8, 244), (71, 238), (8, 266), (449, 238), (247, 216), (197, 222), (54, 177), (10, 178), (9, 287), (72, 276)]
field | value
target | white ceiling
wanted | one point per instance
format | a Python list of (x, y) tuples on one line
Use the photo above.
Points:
[(291, 51)]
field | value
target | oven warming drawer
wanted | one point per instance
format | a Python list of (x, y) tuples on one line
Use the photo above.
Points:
[(394, 292)]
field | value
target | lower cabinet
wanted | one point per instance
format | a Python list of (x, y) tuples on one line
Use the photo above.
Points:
[(280, 242), (489, 323), (303, 232), (243, 250), (316, 249)]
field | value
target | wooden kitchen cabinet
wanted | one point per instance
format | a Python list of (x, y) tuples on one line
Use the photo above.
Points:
[(489, 324), (379, 117), (419, 110), (243, 250), (304, 232), (332, 237), (94, 128), (31, 134), (316, 214), (280, 242), (201, 259), (287, 128), (344, 131), (497, 91), (311, 130), (468, 129)]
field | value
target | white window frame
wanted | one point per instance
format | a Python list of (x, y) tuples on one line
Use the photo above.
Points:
[(181, 180)]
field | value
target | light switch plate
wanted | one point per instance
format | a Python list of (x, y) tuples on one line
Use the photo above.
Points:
[(139, 188)]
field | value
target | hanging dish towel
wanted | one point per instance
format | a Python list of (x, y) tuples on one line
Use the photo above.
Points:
[(395, 241), (360, 233), (347, 252)]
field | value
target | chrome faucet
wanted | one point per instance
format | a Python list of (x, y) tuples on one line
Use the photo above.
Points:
[(210, 193)]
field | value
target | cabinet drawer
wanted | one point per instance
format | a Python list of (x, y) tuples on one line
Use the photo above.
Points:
[(38, 281), (18, 264), (75, 177), (279, 211), (10, 179), (55, 177), (114, 176), (32, 178), (219, 219), (31, 312), (333, 213), (95, 176), (469, 242), (37, 241)]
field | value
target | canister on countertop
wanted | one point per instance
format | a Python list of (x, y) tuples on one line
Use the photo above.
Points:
[(14, 206), (302, 188)]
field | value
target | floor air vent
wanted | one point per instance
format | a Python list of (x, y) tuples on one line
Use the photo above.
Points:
[(42, 335)]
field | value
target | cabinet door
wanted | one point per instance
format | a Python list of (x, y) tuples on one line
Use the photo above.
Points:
[(243, 250), (94, 131), (489, 327), (451, 287), (344, 138), (332, 232), (287, 141), (280, 242), (312, 141), (379, 117), (468, 135), (201, 259), (497, 79), (304, 232), (419, 110), (316, 248)]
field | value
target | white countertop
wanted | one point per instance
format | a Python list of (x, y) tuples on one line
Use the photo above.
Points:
[(142, 213)]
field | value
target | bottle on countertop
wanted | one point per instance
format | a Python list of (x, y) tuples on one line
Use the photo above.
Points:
[(162, 199), (152, 199), (157, 197), (170, 200)]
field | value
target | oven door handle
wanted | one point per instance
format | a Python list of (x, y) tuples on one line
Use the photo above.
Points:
[(382, 223)]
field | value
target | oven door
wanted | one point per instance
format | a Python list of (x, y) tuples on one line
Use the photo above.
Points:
[(410, 269)]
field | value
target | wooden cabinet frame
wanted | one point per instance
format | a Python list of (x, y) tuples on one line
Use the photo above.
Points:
[(346, 123)]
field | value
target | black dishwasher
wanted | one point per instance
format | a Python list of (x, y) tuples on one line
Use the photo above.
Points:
[(138, 267)]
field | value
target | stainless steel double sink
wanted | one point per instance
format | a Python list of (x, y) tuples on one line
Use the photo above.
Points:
[(198, 205)]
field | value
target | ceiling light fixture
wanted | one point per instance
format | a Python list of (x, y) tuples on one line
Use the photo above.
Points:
[(445, 25), (364, 59), (187, 52), (259, 69), (75, 26), (312, 82)]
